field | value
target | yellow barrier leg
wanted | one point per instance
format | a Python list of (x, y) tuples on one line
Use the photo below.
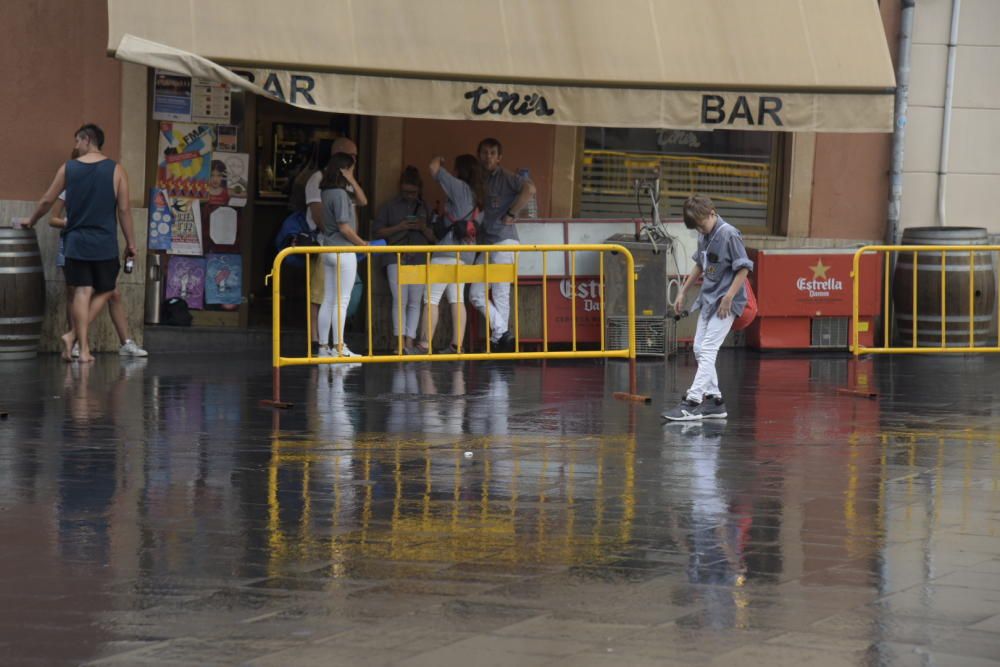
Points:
[(633, 371), (275, 400)]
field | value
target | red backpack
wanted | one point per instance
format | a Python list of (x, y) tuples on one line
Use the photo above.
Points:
[(749, 311)]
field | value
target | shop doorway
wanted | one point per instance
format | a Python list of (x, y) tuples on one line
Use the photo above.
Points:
[(288, 142)]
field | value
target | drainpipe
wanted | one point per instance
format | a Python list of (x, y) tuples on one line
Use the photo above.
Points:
[(899, 120), (949, 90)]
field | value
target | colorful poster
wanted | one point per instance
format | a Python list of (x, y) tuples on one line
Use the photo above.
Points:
[(211, 101), (186, 232), (224, 280), (161, 220), (185, 159), (171, 97), (186, 280), (227, 138), (227, 185)]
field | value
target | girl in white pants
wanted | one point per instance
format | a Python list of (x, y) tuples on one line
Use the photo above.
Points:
[(404, 220), (340, 269), (462, 210)]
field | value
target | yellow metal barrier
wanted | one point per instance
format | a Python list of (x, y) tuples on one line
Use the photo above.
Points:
[(986, 294), (433, 273)]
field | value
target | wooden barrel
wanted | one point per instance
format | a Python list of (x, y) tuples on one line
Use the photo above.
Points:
[(960, 283), (22, 294)]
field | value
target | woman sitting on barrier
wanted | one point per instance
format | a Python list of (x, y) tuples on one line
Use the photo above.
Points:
[(340, 225), (463, 209)]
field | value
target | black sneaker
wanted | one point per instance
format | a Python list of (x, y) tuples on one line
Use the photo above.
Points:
[(505, 344), (713, 407), (686, 411)]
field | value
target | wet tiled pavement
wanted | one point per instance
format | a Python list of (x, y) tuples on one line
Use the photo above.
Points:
[(499, 514)]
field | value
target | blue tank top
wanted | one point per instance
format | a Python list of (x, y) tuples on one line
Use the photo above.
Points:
[(91, 216)]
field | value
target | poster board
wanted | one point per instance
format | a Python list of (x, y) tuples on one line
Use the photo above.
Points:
[(186, 280), (186, 235), (224, 280), (185, 159)]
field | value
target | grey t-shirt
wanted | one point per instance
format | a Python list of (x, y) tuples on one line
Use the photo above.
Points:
[(461, 200), (502, 188), (338, 208), (461, 205), (721, 254), (391, 214)]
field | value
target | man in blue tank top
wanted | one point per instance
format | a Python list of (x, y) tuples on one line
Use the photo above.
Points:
[(97, 199)]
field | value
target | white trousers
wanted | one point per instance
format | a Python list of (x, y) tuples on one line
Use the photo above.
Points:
[(707, 340), (455, 290), (409, 295), (330, 318), (499, 293)]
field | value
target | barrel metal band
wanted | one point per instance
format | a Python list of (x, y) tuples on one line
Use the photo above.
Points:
[(22, 269)]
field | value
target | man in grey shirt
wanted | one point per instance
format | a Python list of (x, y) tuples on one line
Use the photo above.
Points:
[(722, 259), (506, 195)]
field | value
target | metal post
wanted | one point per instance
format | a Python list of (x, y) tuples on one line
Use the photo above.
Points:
[(900, 120)]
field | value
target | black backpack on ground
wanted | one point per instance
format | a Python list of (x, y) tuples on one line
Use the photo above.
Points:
[(176, 313)]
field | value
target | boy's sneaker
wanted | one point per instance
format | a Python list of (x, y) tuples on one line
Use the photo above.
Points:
[(346, 352), (713, 407), (76, 351), (685, 411), (326, 351), (130, 349), (505, 343)]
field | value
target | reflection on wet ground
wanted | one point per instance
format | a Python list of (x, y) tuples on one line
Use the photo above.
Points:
[(492, 514)]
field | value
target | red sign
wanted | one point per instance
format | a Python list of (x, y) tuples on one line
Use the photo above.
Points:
[(815, 283), (588, 310), (796, 286)]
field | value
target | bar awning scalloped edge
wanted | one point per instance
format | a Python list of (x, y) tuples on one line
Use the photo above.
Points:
[(834, 92)]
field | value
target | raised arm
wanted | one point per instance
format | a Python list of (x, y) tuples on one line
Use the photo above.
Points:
[(360, 198)]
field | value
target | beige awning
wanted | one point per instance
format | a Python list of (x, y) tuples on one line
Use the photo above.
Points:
[(792, 65)]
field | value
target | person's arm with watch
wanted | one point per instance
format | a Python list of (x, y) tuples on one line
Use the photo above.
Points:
[(523, 197)]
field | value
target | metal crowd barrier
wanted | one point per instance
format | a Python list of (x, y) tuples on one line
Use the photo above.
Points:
[(953, 313), (428, 274)]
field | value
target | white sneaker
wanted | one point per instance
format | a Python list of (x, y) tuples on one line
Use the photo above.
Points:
[(326, 351), (75, 353), (346, 352), (130, 349)]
